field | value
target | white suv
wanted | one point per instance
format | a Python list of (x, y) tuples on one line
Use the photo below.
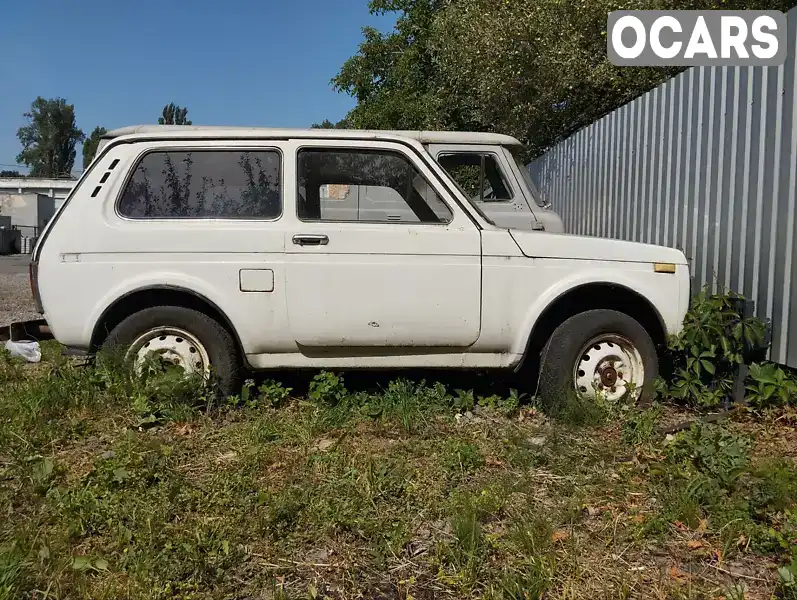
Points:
[(222, 248)]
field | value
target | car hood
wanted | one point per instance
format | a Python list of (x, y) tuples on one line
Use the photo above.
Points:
[(539, 244)]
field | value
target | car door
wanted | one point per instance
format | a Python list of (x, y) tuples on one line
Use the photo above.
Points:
[(407, 276)]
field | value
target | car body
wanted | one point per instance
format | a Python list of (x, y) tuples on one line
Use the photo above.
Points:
[(335, 249)]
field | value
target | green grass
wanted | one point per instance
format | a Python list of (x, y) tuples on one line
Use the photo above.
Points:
[(113, 486)]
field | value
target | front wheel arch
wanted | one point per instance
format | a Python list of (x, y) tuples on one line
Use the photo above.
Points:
[(590, 296)]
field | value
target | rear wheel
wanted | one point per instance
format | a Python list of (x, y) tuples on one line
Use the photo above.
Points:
[(179, 337), (599, 353)]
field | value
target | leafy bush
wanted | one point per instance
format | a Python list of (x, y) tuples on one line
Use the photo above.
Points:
[(270, 394), (715, 340), (711, 451), (327, 388), (769, 385), (709, 349), (706, 473)]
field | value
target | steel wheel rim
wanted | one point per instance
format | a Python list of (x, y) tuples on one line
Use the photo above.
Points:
[(175, 346), (609, 366)]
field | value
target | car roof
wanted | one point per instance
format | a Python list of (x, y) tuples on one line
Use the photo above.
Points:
[(215, 131)]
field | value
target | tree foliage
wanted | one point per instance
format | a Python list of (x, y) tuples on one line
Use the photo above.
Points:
[(6, 173), (174, 115), (49, 138), (327, 124), (394, 76), (535, 69), (91, 144)]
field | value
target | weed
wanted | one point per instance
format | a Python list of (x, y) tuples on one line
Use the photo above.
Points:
[(711, 451), (272, 394), (11, 573), (531, 533), (463, 400), (284, 510), (504, 405), (787, 575), (715, 339), (469, 548), (402, 399), (707, 476), (773, 486), (327, 388), (574, 410), (354, 493), (738, 591), (462, 458), (529, 581), (769, 385), (639, 426), (10, 367)]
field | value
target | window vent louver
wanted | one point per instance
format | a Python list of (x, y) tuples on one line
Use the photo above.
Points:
[(105, 177)]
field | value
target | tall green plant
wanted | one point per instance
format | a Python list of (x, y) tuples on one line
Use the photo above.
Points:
[(713, 343)]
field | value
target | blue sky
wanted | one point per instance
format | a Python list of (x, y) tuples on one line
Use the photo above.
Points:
[(231, 62)]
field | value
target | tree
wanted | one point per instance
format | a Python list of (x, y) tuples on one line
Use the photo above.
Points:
[(91, 144), (174, 115), (5, 173), (49, 138), (393, 76), (327, 124), (535, 69)]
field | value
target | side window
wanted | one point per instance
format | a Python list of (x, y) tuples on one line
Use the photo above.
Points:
[(376, 186), (479, 176), (210, 184)]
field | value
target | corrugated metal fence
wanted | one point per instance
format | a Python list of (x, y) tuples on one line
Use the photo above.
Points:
[(707, 163)]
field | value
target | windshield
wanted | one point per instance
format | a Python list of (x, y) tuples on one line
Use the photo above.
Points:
[(524, 170)]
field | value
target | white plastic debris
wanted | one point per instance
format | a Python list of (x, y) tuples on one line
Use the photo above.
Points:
[(30, 351)]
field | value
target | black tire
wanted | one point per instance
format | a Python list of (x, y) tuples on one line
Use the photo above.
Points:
[(218, 342), (563, 351)]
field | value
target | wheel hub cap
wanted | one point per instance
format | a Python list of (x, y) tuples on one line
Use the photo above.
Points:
[(608, 376), (173, 346), (609, 366)]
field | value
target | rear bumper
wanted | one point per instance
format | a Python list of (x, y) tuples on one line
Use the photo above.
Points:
[(36, 330)]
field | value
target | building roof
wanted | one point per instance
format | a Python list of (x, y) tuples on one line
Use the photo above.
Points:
[(208, 131), (28, 183)]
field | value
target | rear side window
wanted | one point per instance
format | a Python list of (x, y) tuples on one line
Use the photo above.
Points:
[(210, 184)]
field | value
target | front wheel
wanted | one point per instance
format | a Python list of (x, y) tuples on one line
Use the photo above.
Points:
[(599, 353)]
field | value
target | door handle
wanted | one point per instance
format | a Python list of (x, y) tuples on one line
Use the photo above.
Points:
[(310, 239)]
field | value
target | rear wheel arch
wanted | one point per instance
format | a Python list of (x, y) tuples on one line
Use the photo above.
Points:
[(150, 297), (592, 296)]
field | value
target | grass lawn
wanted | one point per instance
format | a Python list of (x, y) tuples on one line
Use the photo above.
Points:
[(115, 488)]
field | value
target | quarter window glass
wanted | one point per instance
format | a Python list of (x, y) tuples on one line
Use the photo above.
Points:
[(366, 186), (218, 184), (479, 176)]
